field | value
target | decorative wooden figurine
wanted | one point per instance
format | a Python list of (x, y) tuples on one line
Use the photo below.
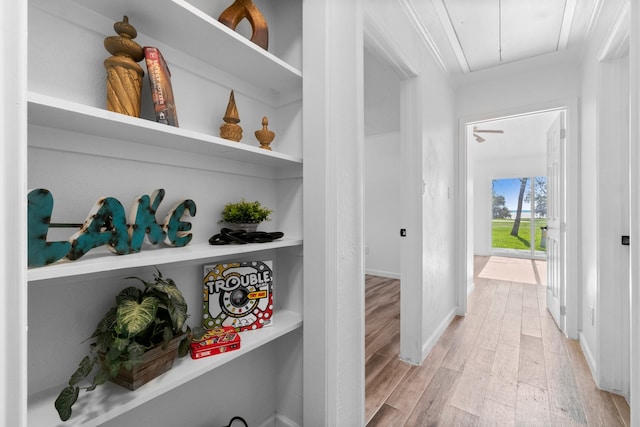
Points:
[(241, 9), (264, 135), (230, 128), (124, 76)]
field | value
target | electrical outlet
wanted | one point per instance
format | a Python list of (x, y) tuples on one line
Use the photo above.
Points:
[(366, 250)]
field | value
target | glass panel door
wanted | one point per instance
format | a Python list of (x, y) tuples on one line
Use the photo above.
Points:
[(519, 216)]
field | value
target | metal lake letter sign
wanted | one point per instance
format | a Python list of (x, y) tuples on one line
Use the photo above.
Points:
[(106, 224)]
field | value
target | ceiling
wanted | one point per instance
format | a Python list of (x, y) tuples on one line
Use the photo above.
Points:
[(476, 39), (474, 35)]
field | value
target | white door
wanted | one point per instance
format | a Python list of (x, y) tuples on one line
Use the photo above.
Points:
[(556, 136)]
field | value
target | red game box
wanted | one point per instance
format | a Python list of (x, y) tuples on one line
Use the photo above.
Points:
[(216, 341)]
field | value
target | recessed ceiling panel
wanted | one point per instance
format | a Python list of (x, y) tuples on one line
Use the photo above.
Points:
[(530, 27), (477, 28), (494, 32)]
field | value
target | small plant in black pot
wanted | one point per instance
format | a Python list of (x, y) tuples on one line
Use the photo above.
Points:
[(144, 329)]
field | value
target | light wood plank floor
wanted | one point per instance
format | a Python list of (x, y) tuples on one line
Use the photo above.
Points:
[(504, 364)]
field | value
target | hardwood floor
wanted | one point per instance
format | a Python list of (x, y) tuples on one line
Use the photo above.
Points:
[(504, 364)]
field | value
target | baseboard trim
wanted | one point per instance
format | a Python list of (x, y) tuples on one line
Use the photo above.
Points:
[(433, 339), (387, 274), (278, 420), (588, 355)]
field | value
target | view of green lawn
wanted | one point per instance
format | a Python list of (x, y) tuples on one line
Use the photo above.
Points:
[(502, 238)]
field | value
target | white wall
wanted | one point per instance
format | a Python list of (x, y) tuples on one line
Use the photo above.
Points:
[(493, 92), (440, 295), (382, 205)]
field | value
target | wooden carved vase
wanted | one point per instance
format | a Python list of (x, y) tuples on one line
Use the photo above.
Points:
[(124, 76)]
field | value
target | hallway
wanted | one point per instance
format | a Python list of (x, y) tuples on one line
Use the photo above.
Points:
[(503, 364)]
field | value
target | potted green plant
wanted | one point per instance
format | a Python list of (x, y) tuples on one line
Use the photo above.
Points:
[(136, 340), (245, 215)]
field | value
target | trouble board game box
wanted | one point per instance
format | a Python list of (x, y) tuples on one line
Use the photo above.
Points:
[(238, 294), (215, 341)]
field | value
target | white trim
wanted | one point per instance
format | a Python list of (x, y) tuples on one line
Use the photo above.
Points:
[(383, 47), (567, 20), (278, 420), (470, 288), (437, 334), (572, 203), (425, 36), (464, 248), (612, 125), (282, 421), (618, 39), (445, 19), (333, 143), (588, 355), (593, 19), (634, 190), (411, 289), (386, 274), (13, 213)]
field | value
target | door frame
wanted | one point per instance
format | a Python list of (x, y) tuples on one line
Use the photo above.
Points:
[(378, 43), (634, 190), (571, 205), (612, 366)]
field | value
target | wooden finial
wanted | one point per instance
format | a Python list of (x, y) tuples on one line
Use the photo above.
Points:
[(264, 135), (230, 128), (124, 76)]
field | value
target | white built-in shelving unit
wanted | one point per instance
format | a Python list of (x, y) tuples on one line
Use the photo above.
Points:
[(80, 152)]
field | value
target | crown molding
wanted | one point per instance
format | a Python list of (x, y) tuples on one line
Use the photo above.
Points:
[(617, 41), (377, 41), (443, 15), (595, 16), (424, 34), (567, 22)]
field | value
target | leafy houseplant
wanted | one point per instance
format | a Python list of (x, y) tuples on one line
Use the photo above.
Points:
[(141, 320), (244, 212)]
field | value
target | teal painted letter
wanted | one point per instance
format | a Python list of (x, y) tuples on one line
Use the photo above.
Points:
[(144, 223), (41, 252), (105, 225), (176, 229)]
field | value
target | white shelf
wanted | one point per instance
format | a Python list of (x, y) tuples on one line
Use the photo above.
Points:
[(57, 113), (109, 401), (179, 24), (101, 260)]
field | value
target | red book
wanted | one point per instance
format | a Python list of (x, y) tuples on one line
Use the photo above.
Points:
[(161, 90)]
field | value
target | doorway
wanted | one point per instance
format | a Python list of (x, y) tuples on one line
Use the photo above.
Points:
[(392, 121), (514, 144)]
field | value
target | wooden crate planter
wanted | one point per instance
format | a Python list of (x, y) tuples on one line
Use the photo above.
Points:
[(155, 362)]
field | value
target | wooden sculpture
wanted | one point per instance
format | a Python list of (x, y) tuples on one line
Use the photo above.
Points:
[(241, 9), (124, 76), (264, 135), (230, 128)]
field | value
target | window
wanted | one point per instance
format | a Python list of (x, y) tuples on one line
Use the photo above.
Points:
[(519, 216)]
